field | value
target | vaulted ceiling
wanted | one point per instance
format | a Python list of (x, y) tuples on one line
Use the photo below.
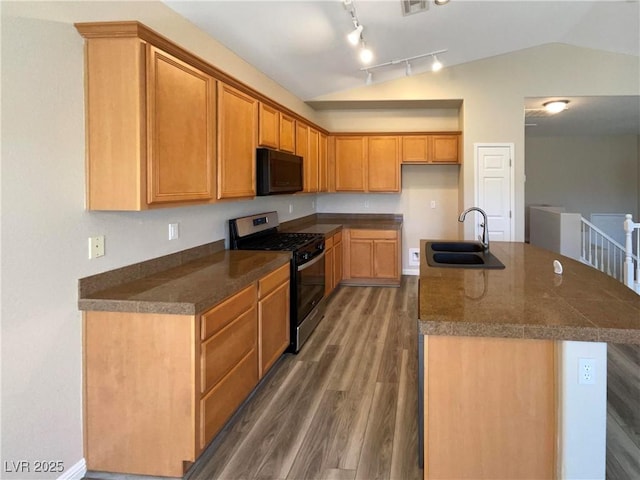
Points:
[(302, 44)]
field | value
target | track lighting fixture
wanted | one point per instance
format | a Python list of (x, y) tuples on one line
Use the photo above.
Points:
[(440, 2), (435, 66)]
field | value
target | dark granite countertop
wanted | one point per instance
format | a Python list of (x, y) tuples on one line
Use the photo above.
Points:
[(329, 223), (527, 299), (190, 287)]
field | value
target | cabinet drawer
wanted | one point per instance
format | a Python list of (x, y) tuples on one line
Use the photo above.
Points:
[(267, 283), (226, 311), (374, 234), (223, 399), (225, 349)]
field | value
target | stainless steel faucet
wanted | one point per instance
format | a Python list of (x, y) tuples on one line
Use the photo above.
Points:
[(484, 225)]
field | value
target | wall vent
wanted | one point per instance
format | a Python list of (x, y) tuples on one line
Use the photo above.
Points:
[(409, 7)]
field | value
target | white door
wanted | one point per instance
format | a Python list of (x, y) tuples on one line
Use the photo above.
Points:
[(494, 187)]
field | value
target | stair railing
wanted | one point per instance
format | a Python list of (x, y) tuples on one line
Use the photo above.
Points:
[(631, 280), (601, 251)]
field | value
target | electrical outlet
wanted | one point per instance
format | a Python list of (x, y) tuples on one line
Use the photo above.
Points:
[(433, 204), (414, 256), (291, 208), (586, 371), (366, 204), (174, 231), (96, 246)]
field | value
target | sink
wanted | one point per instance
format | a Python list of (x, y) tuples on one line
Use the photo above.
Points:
[(450, 254), (458, 258), (457, 247)]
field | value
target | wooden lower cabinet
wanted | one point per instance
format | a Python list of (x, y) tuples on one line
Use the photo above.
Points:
[(372, 257), (273, 317), (484, 419), (159, 387), (333, 263)]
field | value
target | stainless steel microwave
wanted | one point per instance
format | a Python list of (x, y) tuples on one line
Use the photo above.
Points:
[(278, 172)]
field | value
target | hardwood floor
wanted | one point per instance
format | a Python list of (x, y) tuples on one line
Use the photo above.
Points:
[(346, 407), (623, 412), (343, 408)]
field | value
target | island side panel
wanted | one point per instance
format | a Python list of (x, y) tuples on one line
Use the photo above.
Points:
[(489, 408), (139, 384)]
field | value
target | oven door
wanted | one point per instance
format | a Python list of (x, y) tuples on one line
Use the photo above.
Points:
[(310, 286)]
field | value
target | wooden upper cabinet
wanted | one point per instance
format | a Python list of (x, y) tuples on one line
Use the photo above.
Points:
[(181, 130), (287, 133), (435, 148), (444, 148), (269, 127), (323, 164), (384, 164), (237, 141), (150, 121), (350, 163), (311, 162)]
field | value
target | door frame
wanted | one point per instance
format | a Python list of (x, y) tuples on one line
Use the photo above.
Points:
[(512, 182)]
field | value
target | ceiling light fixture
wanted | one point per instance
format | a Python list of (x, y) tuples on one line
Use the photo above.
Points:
[(555, 106), (440, 2), (406, 62)]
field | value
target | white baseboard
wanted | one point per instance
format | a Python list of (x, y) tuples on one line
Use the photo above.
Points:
[(411, 271), (76, 472)]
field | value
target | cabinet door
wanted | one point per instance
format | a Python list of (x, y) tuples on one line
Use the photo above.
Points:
[(337, 264), (329, 261), (444, 148), (350, 164), (311, 162), (269, 127), (302, 140), (323, 164), (385, 259), (273, 329), (287, 133), (181, 130), (237, 139), (361, 258), (384, 164), (415, 149)]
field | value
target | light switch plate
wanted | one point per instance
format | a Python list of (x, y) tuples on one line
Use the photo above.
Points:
[(414, 257)]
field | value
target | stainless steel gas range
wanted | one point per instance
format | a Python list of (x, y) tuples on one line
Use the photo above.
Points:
[(261, 232)]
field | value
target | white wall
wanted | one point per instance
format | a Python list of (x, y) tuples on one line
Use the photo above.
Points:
[(45, 226), (584, 174)]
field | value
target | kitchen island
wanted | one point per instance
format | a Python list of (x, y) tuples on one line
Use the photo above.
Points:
[(496, 392)]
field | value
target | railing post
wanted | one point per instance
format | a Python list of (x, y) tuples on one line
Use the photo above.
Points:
[(628, 250)]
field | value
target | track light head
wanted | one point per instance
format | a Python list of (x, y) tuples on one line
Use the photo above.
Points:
[(369, 79), (436, 66), (355, 35), (366, 55)]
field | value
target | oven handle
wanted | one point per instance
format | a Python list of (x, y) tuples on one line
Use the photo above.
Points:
[(308, 264)]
